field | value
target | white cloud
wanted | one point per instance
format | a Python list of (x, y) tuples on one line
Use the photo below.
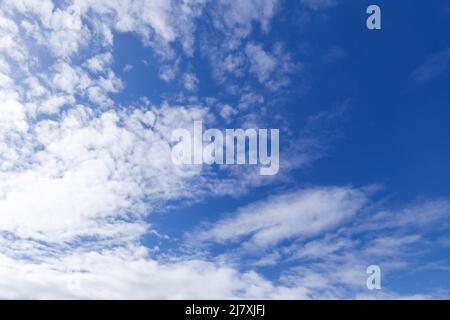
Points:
[(262, 63), (159, 23), (300, 214), (227, 112), (190, 82), (233, 24), (168, 72), (250, 100), (128, 273), (236, 18), (99, 62), (128, 67), (89, 167), (58, 29), (323, 239)]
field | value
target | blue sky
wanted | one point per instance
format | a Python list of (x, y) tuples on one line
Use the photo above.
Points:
[(91, 205)]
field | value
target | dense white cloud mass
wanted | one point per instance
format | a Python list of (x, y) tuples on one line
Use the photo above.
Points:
[(89, 167), (128, 273)]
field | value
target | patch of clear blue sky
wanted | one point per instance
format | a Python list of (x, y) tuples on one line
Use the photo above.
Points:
[(391, 131)]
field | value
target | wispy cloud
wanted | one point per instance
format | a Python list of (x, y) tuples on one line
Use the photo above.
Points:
[(299, 214), (435, 65), (319, 4)]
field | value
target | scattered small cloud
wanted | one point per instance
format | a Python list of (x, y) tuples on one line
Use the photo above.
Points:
[(127, 68)]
